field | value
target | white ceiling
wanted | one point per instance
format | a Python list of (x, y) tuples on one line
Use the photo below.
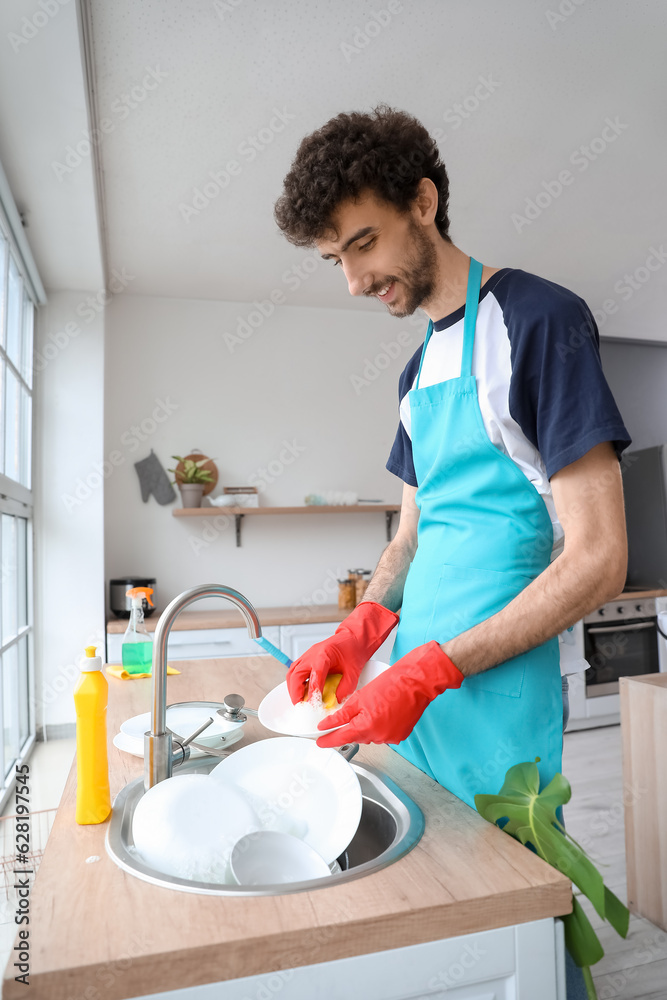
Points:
[(42, 109), (227, 64)]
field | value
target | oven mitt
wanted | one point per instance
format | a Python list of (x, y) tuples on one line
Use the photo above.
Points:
[(387, 709), (345, 652), (154, 480)]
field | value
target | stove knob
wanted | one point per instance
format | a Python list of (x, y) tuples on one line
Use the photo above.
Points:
[(601, 611), (638, 607), (620, 609)]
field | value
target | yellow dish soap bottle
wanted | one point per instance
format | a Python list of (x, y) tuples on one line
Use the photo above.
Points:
[(93, 801), (136, 651)]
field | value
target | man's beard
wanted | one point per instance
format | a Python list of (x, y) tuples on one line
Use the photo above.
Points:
[(420, 272)]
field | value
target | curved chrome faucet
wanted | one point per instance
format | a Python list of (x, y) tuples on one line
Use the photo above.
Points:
[(158, 752)]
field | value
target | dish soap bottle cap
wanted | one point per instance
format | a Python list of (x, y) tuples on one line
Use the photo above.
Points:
[(91, 662)]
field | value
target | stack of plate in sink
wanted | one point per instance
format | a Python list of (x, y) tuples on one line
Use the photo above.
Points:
[(183, 719), (298, 789), (276, 811)]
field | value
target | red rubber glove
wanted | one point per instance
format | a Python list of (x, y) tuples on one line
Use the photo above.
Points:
[(345, 652), (388, 709)]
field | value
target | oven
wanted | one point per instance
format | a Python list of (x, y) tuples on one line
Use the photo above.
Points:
[(625, 638)]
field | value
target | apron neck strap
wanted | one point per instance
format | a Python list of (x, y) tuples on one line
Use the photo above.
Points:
[(421, 360), (469, 321), (470, 318)]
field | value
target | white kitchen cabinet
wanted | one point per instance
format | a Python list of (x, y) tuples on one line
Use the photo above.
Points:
[(195, 644), (521, 962), (296, 639)]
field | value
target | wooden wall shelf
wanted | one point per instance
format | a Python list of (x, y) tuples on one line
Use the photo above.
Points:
[(238, 513)]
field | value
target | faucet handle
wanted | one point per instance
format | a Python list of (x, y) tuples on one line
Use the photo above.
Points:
[(205, 725)]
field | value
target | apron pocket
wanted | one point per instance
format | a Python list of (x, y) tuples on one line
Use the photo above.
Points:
[(467, 596), (505, 679)]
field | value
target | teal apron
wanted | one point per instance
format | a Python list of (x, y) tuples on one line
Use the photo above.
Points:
[(484, 534)]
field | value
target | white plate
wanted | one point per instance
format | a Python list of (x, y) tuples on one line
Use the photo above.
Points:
[(267, 857), (184, 718), (279, 715), (187, 826), (299, 788), (129, 744)]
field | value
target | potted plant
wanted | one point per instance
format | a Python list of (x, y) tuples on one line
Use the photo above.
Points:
[(191, 479)]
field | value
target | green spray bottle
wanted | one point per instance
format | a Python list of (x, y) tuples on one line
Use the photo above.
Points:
[(137, 648)]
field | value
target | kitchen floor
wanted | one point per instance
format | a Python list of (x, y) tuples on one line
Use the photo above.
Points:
[(632, 969)]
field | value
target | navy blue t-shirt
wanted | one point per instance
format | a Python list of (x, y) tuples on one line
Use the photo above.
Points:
[(543, 395)]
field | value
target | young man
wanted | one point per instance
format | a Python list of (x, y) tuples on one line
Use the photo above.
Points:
[(508, 447)]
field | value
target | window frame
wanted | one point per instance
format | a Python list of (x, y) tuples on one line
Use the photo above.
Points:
[(16, 499)]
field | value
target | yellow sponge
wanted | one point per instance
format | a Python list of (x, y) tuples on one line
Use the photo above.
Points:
[(329, 699)]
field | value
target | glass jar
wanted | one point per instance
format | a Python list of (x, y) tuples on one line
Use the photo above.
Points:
[(361, 584), (347, 595)]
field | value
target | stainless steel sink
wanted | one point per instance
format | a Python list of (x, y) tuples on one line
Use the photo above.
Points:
[(391, 824)]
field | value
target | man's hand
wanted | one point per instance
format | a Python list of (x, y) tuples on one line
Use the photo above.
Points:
[(345, 652), (363, 632), (387, 709)]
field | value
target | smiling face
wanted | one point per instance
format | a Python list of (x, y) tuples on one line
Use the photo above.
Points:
[(383, 253)]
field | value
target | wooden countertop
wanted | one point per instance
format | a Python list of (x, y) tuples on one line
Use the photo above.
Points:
[(290, 615), (629, 594), (653, 680), (232, 618), (97, 931)]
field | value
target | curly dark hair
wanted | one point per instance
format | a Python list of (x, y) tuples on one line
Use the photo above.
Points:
[(387, 152)]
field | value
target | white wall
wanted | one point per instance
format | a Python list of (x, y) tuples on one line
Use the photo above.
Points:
[(290, 381), (69, 516)]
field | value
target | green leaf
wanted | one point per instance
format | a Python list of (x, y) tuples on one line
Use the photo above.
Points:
[(616, 913), (591, 992), (580, 939), (191, 471), (532, 819), (530, 816)]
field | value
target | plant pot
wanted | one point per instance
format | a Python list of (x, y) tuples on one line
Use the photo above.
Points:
[(191, 494)]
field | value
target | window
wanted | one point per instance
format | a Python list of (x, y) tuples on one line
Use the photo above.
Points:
[(17, 312)]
